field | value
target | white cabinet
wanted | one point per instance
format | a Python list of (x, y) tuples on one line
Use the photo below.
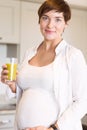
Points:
[(30, 33), (7, 119), (9, 21)]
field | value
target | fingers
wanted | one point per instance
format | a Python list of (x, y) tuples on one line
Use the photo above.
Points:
[(4, 79), (38, 128), (4, 73)]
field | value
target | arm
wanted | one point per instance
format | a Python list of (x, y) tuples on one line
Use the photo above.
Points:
[(78, 108), (4, 73), (39, 128), (18, 97)]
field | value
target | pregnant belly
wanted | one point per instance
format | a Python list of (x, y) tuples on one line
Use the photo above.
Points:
[(36, 108)]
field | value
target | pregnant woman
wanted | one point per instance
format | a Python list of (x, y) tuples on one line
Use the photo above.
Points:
[(51, 86)]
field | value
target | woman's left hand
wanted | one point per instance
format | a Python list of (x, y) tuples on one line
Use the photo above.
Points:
[(39, 128)]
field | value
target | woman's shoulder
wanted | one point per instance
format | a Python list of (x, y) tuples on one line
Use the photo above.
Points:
[(74, 54), (73, 50)]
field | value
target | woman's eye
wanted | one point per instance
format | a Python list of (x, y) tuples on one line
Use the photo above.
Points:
[(58, 20), (44, 17)]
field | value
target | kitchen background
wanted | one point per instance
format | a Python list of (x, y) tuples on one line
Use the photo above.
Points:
[(19, 30)]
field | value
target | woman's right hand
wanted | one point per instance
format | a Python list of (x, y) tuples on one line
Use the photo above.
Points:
[(4, 77), (4, 74)]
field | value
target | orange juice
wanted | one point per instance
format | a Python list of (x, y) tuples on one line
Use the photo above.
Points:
[(12, 68)]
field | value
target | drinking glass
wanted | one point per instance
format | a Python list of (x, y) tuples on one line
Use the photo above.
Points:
[(12, 68)]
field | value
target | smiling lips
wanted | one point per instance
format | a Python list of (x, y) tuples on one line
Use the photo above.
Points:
[(49, 31)]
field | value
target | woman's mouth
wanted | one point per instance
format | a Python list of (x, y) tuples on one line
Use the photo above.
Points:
[(49, 31)]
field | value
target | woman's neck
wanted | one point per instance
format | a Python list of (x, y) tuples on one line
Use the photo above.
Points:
[(50, 45)]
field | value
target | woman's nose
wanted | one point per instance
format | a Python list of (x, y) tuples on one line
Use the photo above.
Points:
[(50, 23)]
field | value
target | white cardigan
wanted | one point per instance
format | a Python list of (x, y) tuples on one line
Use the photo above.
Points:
[(70, 87)]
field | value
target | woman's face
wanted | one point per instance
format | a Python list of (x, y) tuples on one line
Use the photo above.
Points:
[(52, 25)]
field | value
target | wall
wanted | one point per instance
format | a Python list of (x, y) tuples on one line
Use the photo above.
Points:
[(76, 32), (72, 2), (3, 51)]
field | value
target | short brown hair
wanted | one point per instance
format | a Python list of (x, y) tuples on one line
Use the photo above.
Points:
[(58, 5)]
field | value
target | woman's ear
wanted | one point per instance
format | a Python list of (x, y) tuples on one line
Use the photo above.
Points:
[(67, 23)]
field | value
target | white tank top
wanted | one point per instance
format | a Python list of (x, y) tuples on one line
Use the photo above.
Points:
[(38, 105)]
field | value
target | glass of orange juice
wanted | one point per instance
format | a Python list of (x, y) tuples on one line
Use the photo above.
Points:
[(12, 69)]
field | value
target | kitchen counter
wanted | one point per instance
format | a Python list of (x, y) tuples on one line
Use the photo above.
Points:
[(6, 112), (7, 107)]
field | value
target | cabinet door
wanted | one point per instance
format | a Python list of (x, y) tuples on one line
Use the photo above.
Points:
[(7, 121), (9, 21), (30, 32)]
